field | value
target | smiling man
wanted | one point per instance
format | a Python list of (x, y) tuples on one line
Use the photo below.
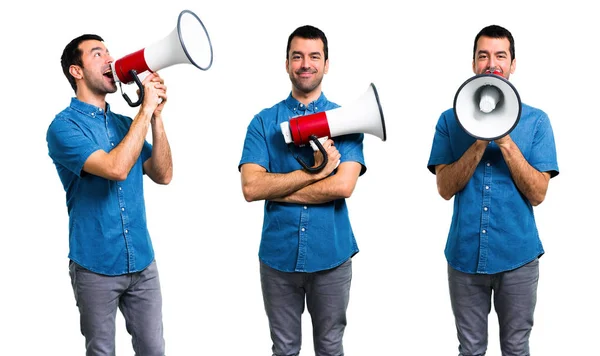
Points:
[(493, 244), (307, 241), (101, 158)]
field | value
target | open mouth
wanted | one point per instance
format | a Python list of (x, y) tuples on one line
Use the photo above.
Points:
[(109, 74)]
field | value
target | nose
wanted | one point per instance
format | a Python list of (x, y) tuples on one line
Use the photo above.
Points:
[(304, 63)]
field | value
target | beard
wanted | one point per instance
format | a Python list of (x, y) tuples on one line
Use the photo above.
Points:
[(306, 85), (98, 84)]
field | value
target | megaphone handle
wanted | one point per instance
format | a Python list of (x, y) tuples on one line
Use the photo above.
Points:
[(133, 74), (314, 139)]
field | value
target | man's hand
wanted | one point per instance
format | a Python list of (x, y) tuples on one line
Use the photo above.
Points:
[(333, 158), (155, 94)]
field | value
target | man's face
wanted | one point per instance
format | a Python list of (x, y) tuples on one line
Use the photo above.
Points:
[(306, 64), (96, 72), (493, 54)]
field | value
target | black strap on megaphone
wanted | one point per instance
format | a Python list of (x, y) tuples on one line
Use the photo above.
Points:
[(133, 73), (316, 141)]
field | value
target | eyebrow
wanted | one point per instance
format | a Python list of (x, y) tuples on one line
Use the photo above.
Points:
[(311, 53), (481, 51), (96, 49)]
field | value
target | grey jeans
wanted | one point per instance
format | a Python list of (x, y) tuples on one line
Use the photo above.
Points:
[(515, 295), (136, 294), (327, 295)]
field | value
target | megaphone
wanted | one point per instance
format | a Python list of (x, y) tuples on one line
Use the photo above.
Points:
[(187, 43), (487, 106), (362, 116)]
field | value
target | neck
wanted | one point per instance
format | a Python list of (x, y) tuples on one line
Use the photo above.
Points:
[(91, 98), (306, 98)]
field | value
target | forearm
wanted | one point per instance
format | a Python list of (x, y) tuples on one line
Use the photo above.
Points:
[(124, 156), (337, 186), (319, 192), (453, 177), (530, 182), (160, 169), (262, 185)]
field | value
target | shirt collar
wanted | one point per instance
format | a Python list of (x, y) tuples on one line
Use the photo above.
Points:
[(88, 109), (313, 106)]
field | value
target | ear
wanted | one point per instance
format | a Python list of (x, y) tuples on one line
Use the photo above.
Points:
[(287, 66), (76, 71), (326, 69), (473, 65), (513, 66)]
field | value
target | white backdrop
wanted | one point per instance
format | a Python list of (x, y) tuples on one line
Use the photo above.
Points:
[(206, 236)]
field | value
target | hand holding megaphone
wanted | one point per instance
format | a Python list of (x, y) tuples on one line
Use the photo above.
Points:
[(156, 93), (187, 43), (331, 153)]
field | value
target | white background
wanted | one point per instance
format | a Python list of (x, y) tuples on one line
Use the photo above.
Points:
[(206, 235)]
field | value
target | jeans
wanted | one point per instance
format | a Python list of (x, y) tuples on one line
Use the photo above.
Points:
[(327, 295), (138, 297), (515, 295)]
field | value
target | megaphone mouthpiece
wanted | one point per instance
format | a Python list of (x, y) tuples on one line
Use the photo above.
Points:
[(490, 96)]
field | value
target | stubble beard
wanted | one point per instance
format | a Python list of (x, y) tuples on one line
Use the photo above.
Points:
[(304, 86)]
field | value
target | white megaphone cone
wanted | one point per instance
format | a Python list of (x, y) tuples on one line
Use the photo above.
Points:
[(362, 116), (487, 106), (188, 43)]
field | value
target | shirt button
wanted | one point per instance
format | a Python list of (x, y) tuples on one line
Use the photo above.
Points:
[(93, 114), (487, 187), (488, 164), (120, 188), (126, 231), (485, 208), (484, 231), (122, 209), (316, 108), (112, 143), (303, 229), (305, 207)]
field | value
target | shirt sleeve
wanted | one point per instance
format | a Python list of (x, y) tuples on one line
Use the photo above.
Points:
[(351, 150), (441, 149), (543, 152), (69, 146), (255, 145), (146, 151)]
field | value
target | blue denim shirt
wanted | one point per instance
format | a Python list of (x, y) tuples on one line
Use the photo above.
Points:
[(493, 227), (295, 237), (107, 219)]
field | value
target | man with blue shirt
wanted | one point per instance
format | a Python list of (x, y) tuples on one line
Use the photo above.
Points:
[(493, 243), (307, 241), (101, 158)]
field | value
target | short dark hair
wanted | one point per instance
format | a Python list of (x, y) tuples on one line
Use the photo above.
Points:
[(311, 33), (72, 56), (495, 31)]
